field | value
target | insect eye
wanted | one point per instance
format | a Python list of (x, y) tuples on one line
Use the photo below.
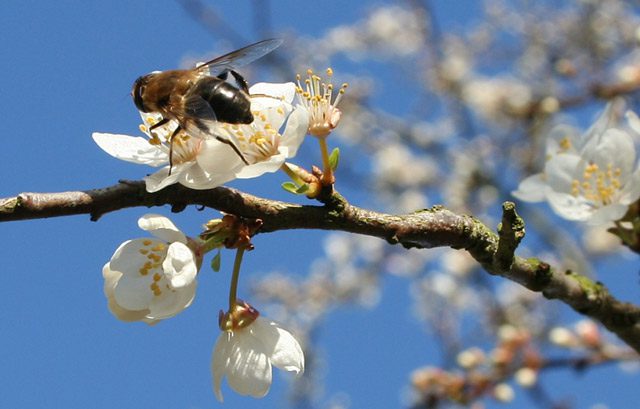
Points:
[(138, 91)]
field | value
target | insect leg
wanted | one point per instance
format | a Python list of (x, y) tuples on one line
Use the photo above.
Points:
[(159, 124), (242, 83), (234, 147), (173, 134)]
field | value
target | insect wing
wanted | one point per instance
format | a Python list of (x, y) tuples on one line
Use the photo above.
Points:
[(239, 58)]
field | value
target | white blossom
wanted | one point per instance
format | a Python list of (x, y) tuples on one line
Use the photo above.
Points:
[(592, 179), (150, 279), (245, 357)]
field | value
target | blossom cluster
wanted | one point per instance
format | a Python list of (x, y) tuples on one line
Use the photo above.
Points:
[(153, 279)]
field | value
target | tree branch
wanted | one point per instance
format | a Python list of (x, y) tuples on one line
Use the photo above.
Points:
[(428, 228)]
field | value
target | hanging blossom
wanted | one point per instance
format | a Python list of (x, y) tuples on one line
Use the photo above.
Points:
[(202, 161), (247, 348), (593, 178), (152, 279)]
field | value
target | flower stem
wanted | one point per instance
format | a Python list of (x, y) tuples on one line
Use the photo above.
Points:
[(327, 172), (234, 277), (293, 175)]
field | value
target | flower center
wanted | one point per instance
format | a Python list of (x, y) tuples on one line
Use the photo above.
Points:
[(185, 147), (155, 253), (257, 141), (598, 185), (318, 98)]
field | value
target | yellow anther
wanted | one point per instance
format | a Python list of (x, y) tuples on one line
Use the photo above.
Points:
[(147, 242), (159, 247), (565, 144), (157, 277)]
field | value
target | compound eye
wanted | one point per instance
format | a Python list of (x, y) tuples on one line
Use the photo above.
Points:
[(138, 93)]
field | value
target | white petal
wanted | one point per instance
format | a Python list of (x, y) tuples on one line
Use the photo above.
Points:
[(279, 345), (279, 93), (172, 302), (161, 227), (296, 129), (605, 120), (180, 265), (133, 293), (631, 190), (218, 159), (128, 259), (161, 179), (570, 207), (197, 178), (558, 137), (532, 189), (239, 357), (607, 214), (268, 166), (616, 147), (110, 280), (131, 149), (561, 170), (633, 121), (274, 116), (248, 370), (219, 361)]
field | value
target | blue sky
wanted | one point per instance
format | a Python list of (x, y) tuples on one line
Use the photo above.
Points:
[(66, 71)]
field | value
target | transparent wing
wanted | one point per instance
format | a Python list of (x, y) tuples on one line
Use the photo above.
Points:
[(239, 58)]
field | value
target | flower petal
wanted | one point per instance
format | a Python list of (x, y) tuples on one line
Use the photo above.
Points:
[(281, 347), (278, 94), (219, 362), (607, 214), (268, 166), (133, 293), (561, 170), (180, 265), (248, 369), (110, 280), (172, 302), (162, 178), (197, 178), (218, 158), (296, 130), (570, 207), (161, 227), (631, 190), (239, 357), (131, 149), (615, 147), (532, 189), (129, 257)]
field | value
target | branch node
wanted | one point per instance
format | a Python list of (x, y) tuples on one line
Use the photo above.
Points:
[(510, 233)]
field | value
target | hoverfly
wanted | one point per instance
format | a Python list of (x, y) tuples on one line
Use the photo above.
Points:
[(195, 98)]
